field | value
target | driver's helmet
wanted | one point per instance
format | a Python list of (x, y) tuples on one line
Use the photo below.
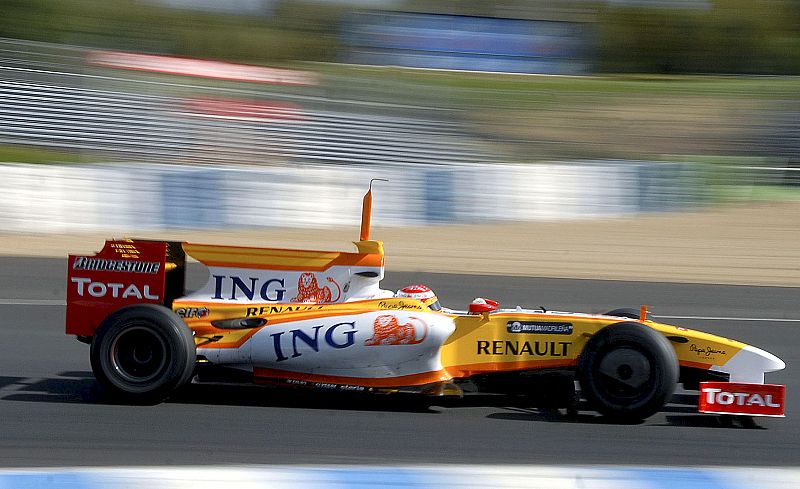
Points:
[(421, 293)]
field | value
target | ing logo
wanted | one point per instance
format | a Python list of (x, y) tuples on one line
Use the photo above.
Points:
[(308, 290), (387, 330)]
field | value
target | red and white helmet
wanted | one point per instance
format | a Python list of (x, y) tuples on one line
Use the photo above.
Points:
[(422, 293)]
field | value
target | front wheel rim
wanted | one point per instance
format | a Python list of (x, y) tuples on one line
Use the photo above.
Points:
[(624, 374)]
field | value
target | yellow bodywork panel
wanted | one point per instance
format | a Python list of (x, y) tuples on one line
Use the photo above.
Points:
[(504, 342), (370, 254), (700, 350)]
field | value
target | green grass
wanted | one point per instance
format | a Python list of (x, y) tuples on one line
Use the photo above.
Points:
[(293, 32), (33, 154), (739, 179), (756, 193), (508, 90), (774, 193)]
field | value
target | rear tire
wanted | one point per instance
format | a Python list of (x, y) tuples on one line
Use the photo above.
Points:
[(628, 371), (142, 353)]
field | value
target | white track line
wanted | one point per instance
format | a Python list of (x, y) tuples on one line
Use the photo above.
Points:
[(720, 318), (32, 302)]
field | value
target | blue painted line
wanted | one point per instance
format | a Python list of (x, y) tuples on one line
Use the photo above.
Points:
[(383, 477), (45, 480), (368, 478), (656, 478)]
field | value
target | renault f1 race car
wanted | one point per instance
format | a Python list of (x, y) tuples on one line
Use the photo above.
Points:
[(319, 319)]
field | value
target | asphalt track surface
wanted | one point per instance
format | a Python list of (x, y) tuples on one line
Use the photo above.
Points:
[(52, 414)]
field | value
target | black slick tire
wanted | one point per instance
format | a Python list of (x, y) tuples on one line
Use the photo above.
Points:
[(628, 371), (141, 353)]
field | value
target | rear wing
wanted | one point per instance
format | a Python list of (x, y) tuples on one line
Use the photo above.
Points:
[(124, 272), (135, 271), (276, 275)]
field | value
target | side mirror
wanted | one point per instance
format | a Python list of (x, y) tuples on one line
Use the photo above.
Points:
[(481, 306)]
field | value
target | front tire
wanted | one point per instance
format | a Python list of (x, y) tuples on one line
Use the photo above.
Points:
[(142, 353), (628, 371)]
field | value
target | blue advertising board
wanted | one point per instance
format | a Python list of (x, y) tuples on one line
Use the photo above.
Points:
[(465, 43)]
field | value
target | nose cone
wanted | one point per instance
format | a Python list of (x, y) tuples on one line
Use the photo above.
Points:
[(751, 363), (771, 362), (764, 360)]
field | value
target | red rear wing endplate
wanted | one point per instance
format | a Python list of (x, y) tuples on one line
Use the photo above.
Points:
[(125, 272)]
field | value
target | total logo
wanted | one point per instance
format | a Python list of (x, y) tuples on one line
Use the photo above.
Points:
[(85, 286), (742, 398), (721, 397)]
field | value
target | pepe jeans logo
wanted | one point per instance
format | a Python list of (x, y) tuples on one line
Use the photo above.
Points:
[(399, 305), (705, 351)]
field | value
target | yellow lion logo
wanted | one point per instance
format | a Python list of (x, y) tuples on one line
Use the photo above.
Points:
[(308, 290), (388, 331)]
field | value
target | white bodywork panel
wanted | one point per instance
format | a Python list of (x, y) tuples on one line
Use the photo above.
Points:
[(377, 344), (245, 285), (750, 364)]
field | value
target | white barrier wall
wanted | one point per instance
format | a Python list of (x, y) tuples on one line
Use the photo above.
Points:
[(63, 198)]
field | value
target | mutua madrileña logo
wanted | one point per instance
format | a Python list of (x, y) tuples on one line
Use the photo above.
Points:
[(539, 327)]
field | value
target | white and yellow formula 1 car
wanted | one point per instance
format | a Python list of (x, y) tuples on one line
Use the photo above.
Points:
[(320, 319)]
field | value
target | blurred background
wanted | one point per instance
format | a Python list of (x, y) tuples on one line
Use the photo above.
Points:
[(211, 114)]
